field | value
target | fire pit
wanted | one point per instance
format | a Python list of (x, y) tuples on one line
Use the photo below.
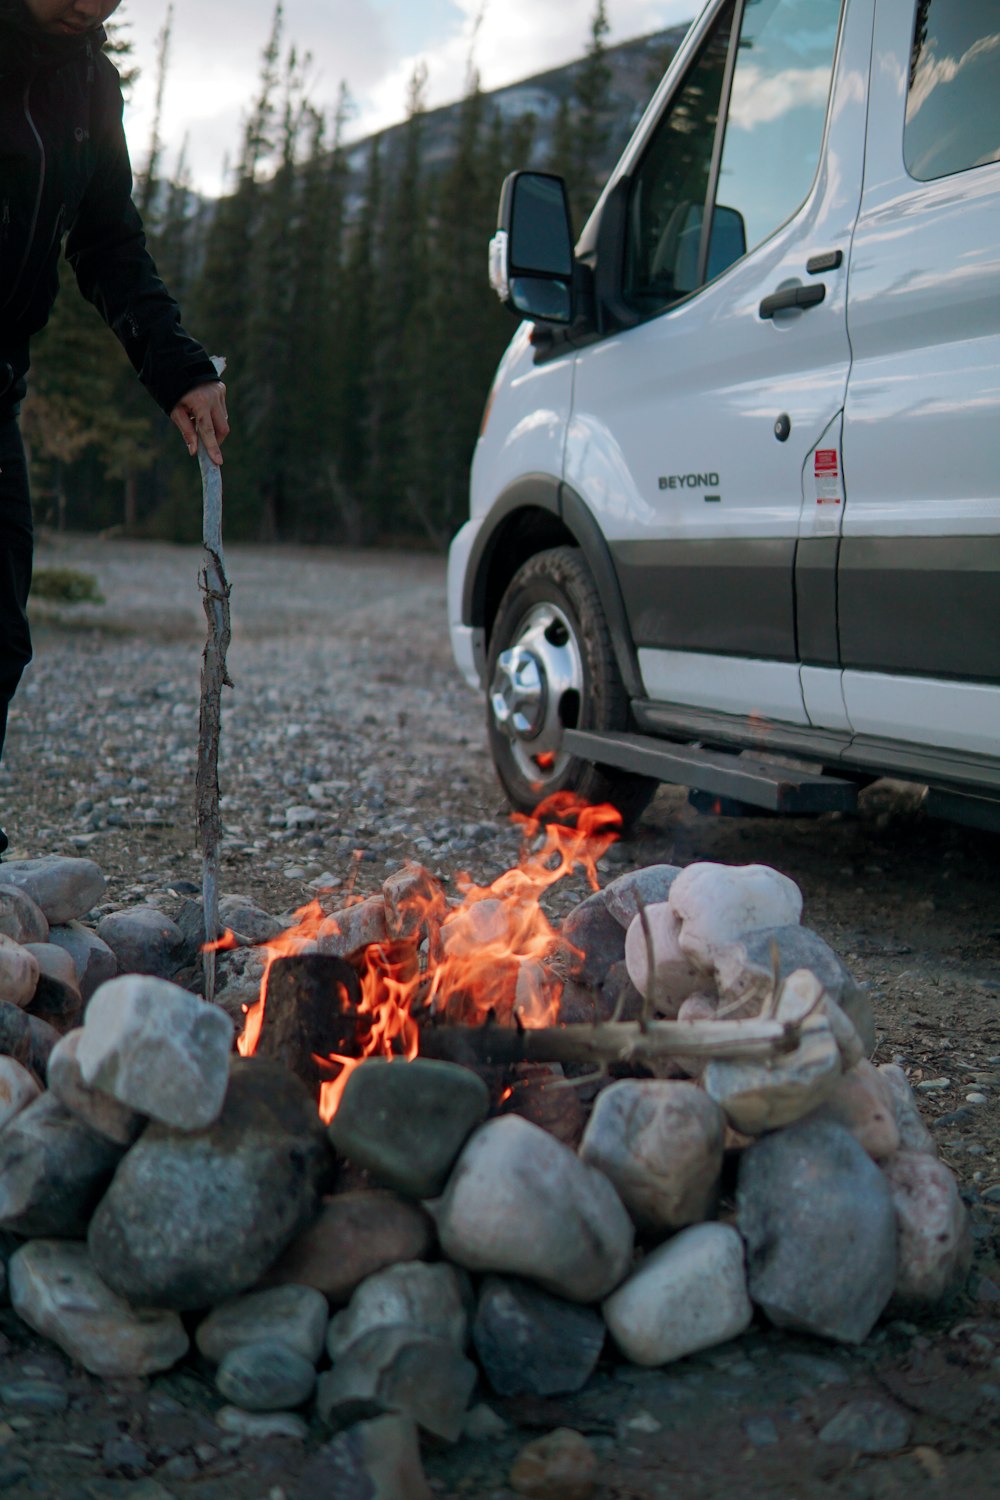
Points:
[(489, 1140)]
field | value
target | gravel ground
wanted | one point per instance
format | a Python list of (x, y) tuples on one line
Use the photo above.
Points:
[(350, 744)]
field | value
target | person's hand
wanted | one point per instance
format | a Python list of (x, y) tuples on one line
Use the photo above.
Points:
[(202, 414)]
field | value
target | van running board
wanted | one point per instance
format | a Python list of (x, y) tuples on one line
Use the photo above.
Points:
[(737, 778)]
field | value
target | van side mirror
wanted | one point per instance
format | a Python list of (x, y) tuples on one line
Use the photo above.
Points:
[(531, 254)]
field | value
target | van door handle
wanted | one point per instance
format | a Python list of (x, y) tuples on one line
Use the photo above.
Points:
[(792, 296)]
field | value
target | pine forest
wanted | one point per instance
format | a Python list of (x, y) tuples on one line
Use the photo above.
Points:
[(346, 286)]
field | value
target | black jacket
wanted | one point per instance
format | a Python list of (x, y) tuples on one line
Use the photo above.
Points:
[(64, 170)]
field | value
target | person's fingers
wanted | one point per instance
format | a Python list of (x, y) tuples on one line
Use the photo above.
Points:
[(207, 433), (181, 419)]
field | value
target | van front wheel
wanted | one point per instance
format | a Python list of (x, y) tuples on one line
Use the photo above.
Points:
[(552, 668)]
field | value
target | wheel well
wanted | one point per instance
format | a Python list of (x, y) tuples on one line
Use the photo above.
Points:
[(521, 535)]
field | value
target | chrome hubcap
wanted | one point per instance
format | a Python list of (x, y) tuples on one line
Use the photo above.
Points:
[(536, 691)]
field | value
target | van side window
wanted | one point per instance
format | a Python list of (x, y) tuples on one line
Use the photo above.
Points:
[(737, 151), (953, 103)]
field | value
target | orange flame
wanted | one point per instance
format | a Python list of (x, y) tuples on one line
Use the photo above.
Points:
[(486, 957)]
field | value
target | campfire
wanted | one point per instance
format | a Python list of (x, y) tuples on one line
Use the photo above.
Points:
[(637, 1128), (492, 957)]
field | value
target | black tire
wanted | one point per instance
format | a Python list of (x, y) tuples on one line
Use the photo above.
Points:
[(552, 667)]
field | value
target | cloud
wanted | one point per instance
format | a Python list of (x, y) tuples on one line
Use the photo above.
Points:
[(372, 45)]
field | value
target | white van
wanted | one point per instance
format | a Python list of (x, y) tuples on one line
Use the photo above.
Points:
[(737, 490)]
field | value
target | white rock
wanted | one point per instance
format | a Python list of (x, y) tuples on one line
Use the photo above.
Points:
[(688, 1294), (518, 1200), (716, 904), (17, 1088), (420, 1296), (18, 972), (64, 888), (57, 1292), (660, 1143), (913, 1133), (295, 1316), (935, 1241), (674, 977), (100, 1111), (763, 1095), (262, 1424), (159, 1049)]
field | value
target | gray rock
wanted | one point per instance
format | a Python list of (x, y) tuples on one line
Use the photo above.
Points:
[(868, 1427), (18, 1088), (262, 1424), (15, 1034), (41, 1039), (598, 938), (194, 1218), (913, 1133), (820, 1230), (406, 1122), (660, 1143), (531, 1343), (157, 1048), (58, 1003), (55, 962), (935, 1237), (64, 888), (646, 887), (744, 973), (53, 1170), (143, 940), (21, 917), (265, 1377), (519, 1201), (427, 1298), (55, 1289), (242, 915), (376, 1460), (354, 1235), (93, 959), (344, 932), (107, 1116), (411, 895), (399, 1370), (42, 1396), (688, 1294), (18, 972), (295, 1316)]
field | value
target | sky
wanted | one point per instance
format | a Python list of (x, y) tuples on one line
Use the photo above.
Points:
[(371, 45)]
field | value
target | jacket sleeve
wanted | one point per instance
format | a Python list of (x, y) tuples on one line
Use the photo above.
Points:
[(106, 248)]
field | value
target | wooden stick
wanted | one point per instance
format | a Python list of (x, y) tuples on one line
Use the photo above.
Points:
[(609, 1042), (215, 589)]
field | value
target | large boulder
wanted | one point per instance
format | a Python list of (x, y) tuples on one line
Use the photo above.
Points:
[(520, 1201), (194, 1217), (818, 1221)]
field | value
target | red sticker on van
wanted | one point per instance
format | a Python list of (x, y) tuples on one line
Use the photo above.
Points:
[(826, 460)]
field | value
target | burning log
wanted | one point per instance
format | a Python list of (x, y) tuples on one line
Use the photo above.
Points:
[(610, 1042), (311, 1012)]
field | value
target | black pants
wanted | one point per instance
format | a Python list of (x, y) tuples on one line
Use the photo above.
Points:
[(15, 564)]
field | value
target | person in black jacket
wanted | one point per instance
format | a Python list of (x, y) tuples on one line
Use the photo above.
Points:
[(65, 174)]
